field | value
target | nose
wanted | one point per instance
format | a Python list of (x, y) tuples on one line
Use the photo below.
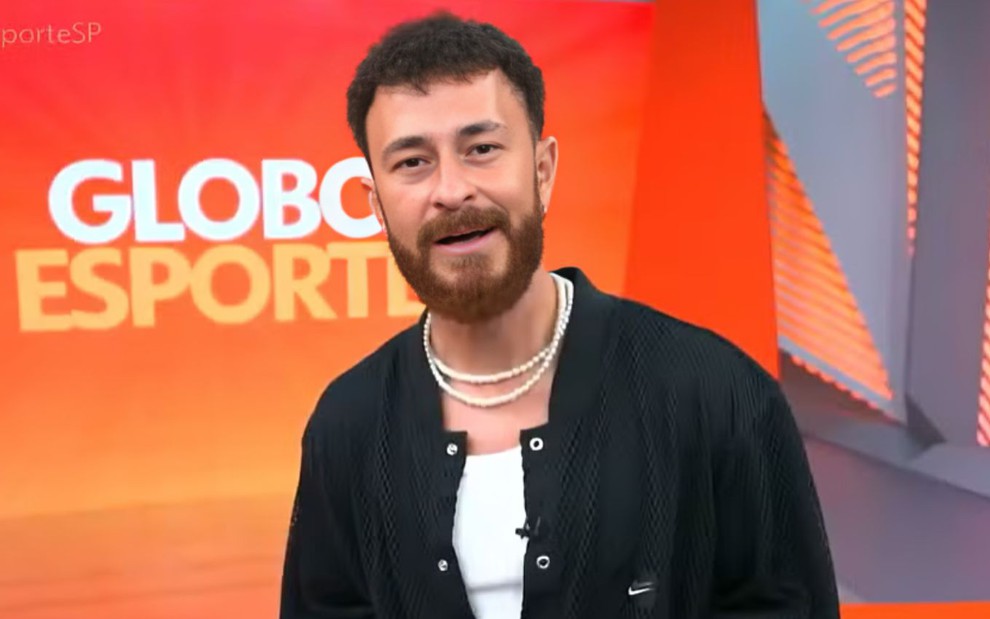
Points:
[(453, 188)]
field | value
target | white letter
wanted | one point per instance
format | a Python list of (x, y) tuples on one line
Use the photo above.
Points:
[(248, 203), (77, 28), (275, 198), (147, 228), (64, 186), (333, 209)]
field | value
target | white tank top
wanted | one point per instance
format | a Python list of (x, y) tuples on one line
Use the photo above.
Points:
[(490, 507)]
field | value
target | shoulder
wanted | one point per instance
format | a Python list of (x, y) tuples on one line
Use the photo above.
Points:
[(349, 406), (683, 344), (694, 361)]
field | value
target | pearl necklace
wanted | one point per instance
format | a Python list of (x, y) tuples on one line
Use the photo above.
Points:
[(565, 302), (490, 379)]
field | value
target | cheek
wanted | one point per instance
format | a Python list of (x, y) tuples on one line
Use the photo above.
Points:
[(509, 185), (403, 212), (518, 198), (403, 230)]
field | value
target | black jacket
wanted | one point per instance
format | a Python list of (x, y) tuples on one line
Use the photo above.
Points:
[(670, 469)]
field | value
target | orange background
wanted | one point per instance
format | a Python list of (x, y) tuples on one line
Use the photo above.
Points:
[(148, 472), (189, 409), (700, 240)]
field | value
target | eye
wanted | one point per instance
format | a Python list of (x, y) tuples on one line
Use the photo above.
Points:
[(413, 162), (484, 149)]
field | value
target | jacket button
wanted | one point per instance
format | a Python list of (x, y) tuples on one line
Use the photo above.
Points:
[(442, 565), (536, 443), (543, 562), (451, 449)]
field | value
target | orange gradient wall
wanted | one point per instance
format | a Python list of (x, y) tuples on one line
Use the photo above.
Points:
[(154, 391), (700, 241), (160, 372)]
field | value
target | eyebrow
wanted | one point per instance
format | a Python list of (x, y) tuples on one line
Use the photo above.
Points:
[(484, 126), (409, 141), (416, 141)]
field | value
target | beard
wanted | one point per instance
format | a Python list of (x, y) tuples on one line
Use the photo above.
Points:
[(473, 291)]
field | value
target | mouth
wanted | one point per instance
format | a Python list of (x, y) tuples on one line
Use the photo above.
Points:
[(464, 237)]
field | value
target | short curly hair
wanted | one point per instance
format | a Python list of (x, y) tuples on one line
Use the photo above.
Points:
[(441, 47)]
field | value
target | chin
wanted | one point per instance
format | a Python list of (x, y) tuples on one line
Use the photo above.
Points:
[(455, 268)]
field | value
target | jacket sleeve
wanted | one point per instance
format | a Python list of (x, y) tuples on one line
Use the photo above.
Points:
[(772, 555), (322, 576)]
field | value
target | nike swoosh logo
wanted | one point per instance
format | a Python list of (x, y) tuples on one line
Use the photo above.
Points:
[(638, 590)]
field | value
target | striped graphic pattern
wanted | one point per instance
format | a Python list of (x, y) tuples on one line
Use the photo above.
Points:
[(914, 72), (866, 33), (983, 418), (815, 309)]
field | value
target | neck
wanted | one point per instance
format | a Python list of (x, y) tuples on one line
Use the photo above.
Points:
[(504, 341)]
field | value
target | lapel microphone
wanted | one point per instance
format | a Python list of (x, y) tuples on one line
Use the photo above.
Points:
[(533, 531)]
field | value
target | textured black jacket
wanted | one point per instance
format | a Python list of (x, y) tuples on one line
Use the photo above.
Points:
[(669, 482)]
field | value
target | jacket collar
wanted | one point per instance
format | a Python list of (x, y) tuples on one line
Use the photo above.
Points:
[(576, 383)]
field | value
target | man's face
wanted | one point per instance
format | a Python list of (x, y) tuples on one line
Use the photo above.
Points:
[(461, 190)]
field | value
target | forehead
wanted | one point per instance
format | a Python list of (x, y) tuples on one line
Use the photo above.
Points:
[(444, 107)]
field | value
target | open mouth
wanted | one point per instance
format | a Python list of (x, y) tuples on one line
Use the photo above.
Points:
[(462, 238)]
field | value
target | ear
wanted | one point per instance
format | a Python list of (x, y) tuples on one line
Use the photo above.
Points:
[(546, 169), (374, 203)]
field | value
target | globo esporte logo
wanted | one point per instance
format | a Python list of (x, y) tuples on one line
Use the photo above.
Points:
[(98, 286)]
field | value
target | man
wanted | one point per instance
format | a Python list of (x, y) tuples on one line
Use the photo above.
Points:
[(532, 447)]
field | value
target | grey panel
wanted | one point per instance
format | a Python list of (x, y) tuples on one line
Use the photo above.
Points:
[(950, 264), (848, 148), (897, 536), (967, 467)]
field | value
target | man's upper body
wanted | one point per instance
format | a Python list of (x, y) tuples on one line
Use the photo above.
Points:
[(669, 464), (532, 447)]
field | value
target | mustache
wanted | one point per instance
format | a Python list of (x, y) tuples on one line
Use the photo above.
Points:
[(461, 219)]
